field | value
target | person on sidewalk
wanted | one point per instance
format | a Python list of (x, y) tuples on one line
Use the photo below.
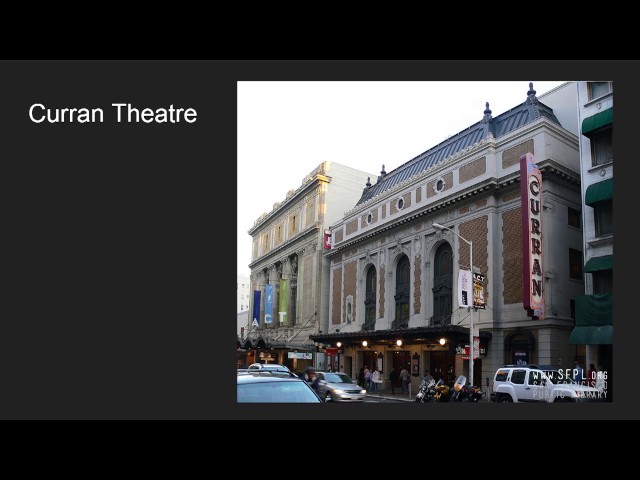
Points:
[(367, 379), (394, 376), (376, 381), (404, 379), (361, 377)]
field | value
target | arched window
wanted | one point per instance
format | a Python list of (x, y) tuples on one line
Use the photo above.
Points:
[(403, 271), (442, 285), (370, 300)]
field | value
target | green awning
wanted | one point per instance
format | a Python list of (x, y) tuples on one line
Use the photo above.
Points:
[(596, 264), (594, 320), (592, 335), (597, 121), (598, 192)]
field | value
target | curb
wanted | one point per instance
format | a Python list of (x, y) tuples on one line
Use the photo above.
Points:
[(389, 398)]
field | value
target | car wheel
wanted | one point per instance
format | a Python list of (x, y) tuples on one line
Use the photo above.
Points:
[(505, 399)]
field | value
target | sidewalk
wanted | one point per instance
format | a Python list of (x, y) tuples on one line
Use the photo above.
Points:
[(393, 396)]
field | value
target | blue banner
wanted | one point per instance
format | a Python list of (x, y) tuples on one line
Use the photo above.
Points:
[(256, 308), (268, 303)]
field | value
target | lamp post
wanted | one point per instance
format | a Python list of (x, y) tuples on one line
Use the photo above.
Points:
[(470, 243)]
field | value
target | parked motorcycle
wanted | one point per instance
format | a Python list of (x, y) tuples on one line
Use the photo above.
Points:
[(426, 392), (466, 393), (443, 392)]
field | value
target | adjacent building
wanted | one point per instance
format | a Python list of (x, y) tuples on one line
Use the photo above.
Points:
[(289, 273), (242, 288), (394, 277), (593, 332)]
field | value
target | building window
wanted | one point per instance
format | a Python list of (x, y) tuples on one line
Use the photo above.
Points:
[(603, 215), (400, 203), (442, 285), (602, 146), (369, 218), (598, 89), (603, 281), (574, 218), (370, 299), (265, 243), (292, 225), (402, 293), (575, 264), (279, 234)]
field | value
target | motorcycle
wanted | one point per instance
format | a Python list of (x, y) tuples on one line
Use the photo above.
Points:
[(466, 393), (426, 392), (443, 392)]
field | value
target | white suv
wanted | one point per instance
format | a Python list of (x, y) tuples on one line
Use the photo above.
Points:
[(530, 383)]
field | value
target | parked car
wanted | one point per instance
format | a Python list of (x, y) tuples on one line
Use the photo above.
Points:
[(268, 366), (532, 383), (269, 386), (338, 387)]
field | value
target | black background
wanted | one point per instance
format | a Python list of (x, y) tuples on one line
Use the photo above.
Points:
[(118, 258)]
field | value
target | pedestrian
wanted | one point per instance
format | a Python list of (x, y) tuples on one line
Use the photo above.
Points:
[(578, 373), (394, 376), (376, 381), (361, 377), (428, 378), (367, 378), (311, 378), (591, 375), (405, 379)]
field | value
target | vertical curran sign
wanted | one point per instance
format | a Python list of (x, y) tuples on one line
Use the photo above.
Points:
[(531, 202)]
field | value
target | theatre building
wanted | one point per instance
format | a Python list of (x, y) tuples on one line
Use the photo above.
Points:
[(289, 293), (394, 276)]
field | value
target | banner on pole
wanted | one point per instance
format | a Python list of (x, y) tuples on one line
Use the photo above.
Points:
[(464, 288), (268, 303), (256, 308), (283, 300)]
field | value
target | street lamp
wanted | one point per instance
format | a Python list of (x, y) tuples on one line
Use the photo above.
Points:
[(470, 243)]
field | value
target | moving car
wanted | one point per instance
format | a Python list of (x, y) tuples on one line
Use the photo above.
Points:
[(338, 387), (268, 386)]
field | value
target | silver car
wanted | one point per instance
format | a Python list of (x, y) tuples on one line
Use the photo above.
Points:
[(338, 387)]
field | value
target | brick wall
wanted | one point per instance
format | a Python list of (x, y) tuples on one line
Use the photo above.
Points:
[(476, 230), (381, 282), (463, 210), (352, 226), (337, 298), (416, 284), (511, 156), (448, 183), (363, 218), (481, 203), (512, 256), (394, 202), (473, 169), (350, 284), (510, 196), (339, 235)]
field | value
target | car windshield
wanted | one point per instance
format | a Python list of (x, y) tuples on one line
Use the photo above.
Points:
[(276, 392), (337, 378), (558, 376)]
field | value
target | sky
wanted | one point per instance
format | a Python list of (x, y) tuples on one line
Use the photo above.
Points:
[(285, 129)]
